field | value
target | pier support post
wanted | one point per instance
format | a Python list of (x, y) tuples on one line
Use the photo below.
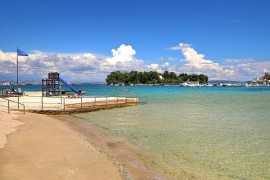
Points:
[(64, 103), (18, 102), (8, 108), (42, 102), (81, 102), (95, 103)]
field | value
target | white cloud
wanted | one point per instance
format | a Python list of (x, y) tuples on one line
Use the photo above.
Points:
[(10, 56), (154, 67), (122, 59), (181, 45), (166, 64), (169, 59), (74, 67), (266, 70), (168, 67), (259, 68), (124, 54), (234, 69), (92, 67), (196, 63), (244, 60)]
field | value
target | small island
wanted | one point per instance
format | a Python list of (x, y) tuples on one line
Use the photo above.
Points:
[(153, 78)]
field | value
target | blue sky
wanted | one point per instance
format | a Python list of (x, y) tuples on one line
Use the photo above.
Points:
[(223, 39)]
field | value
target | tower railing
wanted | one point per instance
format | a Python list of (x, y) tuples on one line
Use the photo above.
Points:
[(9, 104)]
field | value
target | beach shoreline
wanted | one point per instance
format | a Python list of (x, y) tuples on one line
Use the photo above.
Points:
[(117, 148), (46, 148)]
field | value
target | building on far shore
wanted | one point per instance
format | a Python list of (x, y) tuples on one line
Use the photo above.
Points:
[(160, 76), (8, 83), (260, 81)]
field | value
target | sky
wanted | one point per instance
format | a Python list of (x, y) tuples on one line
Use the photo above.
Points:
[(85, 40)]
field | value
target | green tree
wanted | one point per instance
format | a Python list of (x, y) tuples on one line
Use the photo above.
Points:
[(126, 77), (203, 79), (166, 75), (142, 77), (152, 77), (172, 75), (183, 77), (134, 77)]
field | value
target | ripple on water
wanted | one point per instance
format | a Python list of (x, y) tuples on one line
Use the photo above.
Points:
[(209, 132)]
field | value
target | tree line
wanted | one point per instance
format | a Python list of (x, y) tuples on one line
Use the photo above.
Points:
[(153, 77)]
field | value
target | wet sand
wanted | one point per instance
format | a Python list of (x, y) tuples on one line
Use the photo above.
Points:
[(126, 154), (46, 148)]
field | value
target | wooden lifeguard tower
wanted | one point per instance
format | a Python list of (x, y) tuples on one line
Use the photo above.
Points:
[(52, 85)]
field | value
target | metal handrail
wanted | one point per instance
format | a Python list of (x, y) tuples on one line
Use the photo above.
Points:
[(106, 97), (8, 106)]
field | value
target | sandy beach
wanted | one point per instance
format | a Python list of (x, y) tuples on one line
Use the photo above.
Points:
[(42, 146), (46, 148), (8, 124)]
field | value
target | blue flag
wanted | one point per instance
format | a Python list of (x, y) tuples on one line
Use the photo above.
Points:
[(21, 53)]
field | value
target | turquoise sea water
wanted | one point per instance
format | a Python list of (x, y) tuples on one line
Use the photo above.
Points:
[(211, 132)]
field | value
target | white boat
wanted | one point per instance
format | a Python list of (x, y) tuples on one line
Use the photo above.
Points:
[(233, 84), (190, 84)]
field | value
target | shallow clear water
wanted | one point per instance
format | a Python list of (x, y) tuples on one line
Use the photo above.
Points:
[(218, 132), (211, 131)]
